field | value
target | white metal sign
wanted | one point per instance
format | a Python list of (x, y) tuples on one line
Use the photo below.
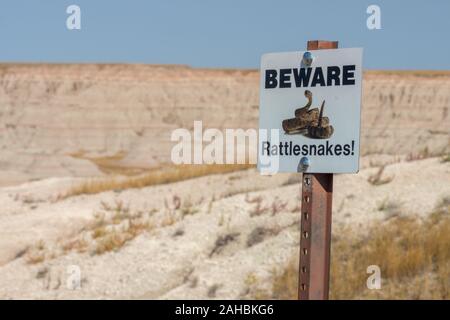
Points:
[(309, 114)]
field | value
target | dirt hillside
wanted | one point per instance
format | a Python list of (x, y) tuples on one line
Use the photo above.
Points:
[(231, 235), (67, 120)]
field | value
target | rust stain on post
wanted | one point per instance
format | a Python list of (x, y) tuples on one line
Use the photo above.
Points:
[(315, 228), (320, 44)]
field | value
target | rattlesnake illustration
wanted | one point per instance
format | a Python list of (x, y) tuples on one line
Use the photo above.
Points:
[(309, 122)]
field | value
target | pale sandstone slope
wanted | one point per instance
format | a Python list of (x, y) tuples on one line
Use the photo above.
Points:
[(185, 259), (49, 113), (53, 116), (406, 112)]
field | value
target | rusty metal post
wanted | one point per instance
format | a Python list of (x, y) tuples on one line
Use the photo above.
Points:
[(315, 228)]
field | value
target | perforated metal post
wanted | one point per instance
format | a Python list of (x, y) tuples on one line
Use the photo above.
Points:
[(315, 229)]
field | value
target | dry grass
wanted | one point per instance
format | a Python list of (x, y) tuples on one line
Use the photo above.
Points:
[(406, 250), (177, 209), (116, 226), (112, 227), (35, 258), (413, 255), (159, 176), (445, 158), (36, 254), (422, 154), (99, 232), (110, 164), (79, 245), (114, 240)]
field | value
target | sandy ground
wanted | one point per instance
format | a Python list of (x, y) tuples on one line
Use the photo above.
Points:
[(208, 253), (203, 238)]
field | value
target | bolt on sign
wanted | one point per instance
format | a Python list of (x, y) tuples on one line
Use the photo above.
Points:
[(310, 106)]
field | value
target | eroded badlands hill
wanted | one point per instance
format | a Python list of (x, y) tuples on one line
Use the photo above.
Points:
[(63, 120)]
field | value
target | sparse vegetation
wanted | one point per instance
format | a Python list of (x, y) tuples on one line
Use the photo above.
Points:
[(413, 255), (188, 209), (258, 208), (193, 282), (35, 257), (110, 164), (169, 219), (285, 281), (390, 208), (377, 178), (178, 233), (212, 290), (259, 234), (79, 244), (445, 202), (99, 232), (112, 232), (252, 200), (175, 205), (37, 253), (222, 242), (28, 199), (445, 158), (252, 288), (112, 227), (278, 206), (111, 241), (177, 209), (158, 176), (422, 154)]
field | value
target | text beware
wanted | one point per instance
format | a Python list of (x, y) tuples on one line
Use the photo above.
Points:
[(310, 77)]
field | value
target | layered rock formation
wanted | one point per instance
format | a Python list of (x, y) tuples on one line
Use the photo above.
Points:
[(55, 119)]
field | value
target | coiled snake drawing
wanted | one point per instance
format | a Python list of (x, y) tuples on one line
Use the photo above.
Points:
[(309, 122)]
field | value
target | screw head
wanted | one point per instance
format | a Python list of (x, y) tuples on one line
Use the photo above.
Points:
[(307, 58), (303, 164)]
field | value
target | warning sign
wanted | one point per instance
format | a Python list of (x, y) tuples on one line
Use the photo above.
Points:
[(310, 105)]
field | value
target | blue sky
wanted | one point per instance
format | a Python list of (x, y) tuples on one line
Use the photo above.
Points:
[(226, 33)]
